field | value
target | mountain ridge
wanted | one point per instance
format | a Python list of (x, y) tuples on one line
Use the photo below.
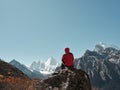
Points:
[(102, 65)]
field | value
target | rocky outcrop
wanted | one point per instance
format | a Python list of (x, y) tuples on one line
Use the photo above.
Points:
[(64, 80), (69, 80)]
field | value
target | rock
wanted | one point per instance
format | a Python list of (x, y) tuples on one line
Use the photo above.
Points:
[(64, 80), (69, 80)]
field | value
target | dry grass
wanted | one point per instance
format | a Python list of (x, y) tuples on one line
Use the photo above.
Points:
[(11, 83)]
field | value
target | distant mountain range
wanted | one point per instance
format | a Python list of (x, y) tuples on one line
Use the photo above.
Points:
[(37, 69), (47, 67)]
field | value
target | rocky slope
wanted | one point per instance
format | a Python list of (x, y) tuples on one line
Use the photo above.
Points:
[(8, 70), (103, 66), (12, 78)]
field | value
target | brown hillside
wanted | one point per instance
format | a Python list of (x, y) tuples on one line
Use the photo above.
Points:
[(8, 70)]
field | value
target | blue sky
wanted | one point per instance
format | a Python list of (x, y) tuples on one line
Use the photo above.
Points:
[(32, 30)]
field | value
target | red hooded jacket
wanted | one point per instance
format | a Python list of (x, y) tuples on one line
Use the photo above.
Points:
[(68, 58)]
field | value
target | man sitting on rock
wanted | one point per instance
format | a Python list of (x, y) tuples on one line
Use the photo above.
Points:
[(67, 60)]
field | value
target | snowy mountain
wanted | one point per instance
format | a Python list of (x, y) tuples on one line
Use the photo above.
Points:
[(38, 66), (100, 47), (103, 66), (47, 67), (51, 64), (37, 69), (26, 70)]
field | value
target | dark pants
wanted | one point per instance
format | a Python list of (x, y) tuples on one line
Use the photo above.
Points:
[(69, 67)]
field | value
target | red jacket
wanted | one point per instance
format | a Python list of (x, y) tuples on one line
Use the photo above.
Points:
[(68, 58)]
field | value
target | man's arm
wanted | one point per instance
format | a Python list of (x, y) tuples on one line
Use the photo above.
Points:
[(63, 59)]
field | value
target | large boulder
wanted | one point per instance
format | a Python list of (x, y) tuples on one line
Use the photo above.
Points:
[(69, 80)]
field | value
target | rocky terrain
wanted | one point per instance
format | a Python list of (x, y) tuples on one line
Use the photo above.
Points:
[(12, 78)]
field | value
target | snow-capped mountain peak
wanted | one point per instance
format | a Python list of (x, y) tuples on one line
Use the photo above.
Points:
[(51, 61), (100, 47), (104, 45), (50, 65), (46, 67)]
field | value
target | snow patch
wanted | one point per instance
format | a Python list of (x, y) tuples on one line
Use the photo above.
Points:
[(116, 61), (102, 75), (102, 46)]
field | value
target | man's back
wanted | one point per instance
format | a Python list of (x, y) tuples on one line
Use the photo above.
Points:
[(68, 58)]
